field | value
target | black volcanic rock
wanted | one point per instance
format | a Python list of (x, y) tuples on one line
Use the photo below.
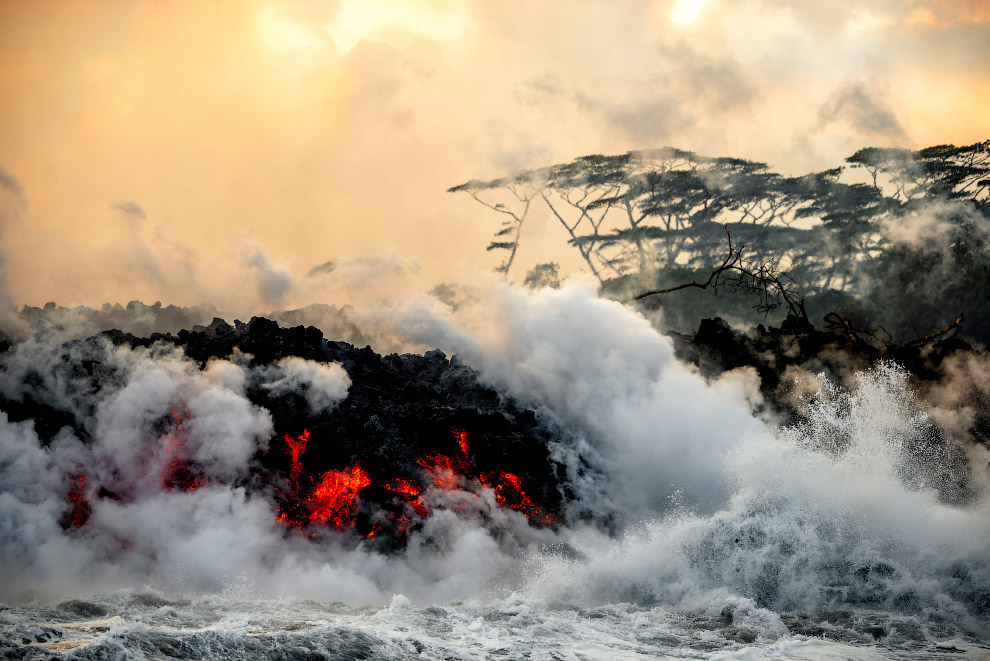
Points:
[(262, 338), (717, 347), (398, 410)]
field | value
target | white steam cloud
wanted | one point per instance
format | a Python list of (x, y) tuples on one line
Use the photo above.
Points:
[(323, 385), (602, 369), (812, 525), (841, 510), (154, 408)]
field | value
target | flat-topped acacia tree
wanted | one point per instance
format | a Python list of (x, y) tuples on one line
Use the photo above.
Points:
[(663, 208), (641, 210)]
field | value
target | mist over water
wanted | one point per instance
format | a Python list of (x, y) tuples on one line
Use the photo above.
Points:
[(811, 528), (695, 522)]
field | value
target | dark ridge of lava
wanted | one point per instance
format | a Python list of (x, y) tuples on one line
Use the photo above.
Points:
[(717, 346), (779, 355), (398, 410)]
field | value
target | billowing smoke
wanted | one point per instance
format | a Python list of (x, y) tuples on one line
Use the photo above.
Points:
[(864, 112), (603, 370), (671, 489), (155, 482), (356, 271), (271, 280), (321, 385), (932, 269), (11, 203)]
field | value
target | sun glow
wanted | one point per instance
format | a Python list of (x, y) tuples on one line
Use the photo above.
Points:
[(396, 22), (686, 11), (283, 33)]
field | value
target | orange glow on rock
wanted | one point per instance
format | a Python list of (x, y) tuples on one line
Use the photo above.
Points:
[(333, 497), (403, 524), (443, 470)]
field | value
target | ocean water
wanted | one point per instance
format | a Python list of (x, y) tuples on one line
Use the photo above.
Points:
[(149, 625)]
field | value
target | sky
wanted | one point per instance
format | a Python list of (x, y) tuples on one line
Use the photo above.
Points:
[(218, 151)]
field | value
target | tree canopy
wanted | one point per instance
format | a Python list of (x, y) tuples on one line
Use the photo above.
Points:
[(881, 223)]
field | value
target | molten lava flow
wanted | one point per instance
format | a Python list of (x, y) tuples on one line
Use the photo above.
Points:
[(443, 470), (462, 439), (178, 473), (440, 469), (296, 447), (410, 492), (81, 509), (333, 498), (509, 493), (291, 502)]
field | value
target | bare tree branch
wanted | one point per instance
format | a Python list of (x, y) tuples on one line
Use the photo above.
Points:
[(732, 258), (766, 278)]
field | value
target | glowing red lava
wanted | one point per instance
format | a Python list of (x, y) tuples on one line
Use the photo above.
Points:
[(178, 473), (81, 509), (296, 447), (409, 491), (440, 469), (333, 498), (509, 493), (462, 439)]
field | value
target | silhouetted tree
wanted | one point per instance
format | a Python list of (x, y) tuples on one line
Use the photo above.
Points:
[(660, 216), (543, 275), (521, 190)]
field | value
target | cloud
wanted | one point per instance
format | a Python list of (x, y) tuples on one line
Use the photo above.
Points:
[(10, 183), (353, 280), (272, 281), (859, 108), (671, 97), (366, 268), (11, 206), (130, 208), (352, 150), (320, 269), (397, 21)]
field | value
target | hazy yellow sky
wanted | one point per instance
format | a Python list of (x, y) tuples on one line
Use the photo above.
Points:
[(191, 151)]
